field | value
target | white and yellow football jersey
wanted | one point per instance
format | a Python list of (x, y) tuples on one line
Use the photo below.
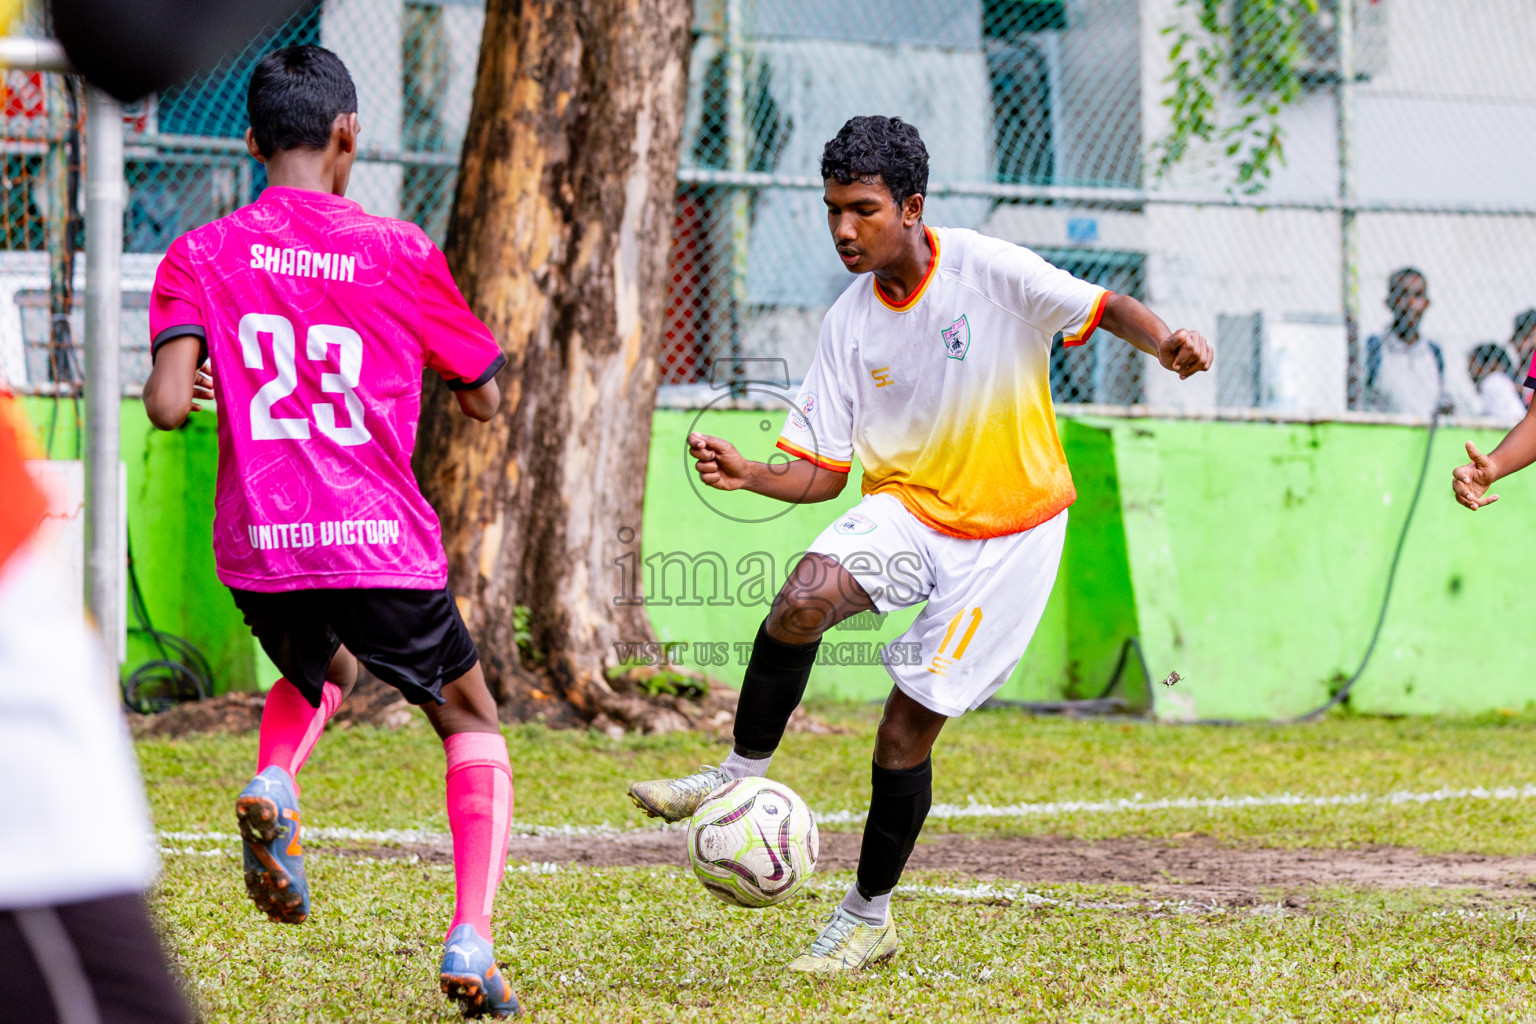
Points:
[(946, 397)]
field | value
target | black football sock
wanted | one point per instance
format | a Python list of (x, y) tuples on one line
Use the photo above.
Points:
[(771, 689), (897, 808)]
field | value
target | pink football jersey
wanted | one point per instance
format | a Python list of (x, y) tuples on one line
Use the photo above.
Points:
[(319, 319)]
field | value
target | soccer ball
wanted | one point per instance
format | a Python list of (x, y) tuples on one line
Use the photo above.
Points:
[(753, 842)]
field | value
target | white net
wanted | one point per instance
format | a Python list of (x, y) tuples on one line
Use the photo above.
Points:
[(1255, 169)]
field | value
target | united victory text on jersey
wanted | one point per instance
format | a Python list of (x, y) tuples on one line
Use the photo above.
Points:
[(320, 319)]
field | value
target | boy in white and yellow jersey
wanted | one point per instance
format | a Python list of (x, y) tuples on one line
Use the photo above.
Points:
[(934, 367)]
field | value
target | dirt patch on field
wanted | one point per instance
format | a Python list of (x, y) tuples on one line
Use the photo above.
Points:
[(1195, 868)]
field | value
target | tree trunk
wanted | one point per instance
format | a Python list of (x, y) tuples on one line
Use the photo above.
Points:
[(560, 236)]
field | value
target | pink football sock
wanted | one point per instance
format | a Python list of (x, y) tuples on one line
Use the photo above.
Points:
[(479, 815), (290, 727)]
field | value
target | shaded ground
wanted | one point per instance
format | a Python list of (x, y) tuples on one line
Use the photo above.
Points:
[(1193, 868), (670, 705)]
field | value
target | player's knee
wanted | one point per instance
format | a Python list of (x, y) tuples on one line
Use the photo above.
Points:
[(893, 740), (902, 740), (468, 704), (342, 671), (800, 619)]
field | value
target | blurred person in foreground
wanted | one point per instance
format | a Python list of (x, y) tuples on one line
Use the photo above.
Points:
[(1492, 371), (1404, 371), (76, 852)]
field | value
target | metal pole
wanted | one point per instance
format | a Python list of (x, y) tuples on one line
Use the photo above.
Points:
[(25, 54), (105, 195), (736, 161), (1349, 280)]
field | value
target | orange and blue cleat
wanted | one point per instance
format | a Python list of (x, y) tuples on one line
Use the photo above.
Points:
[(470, 976), (268, 812)]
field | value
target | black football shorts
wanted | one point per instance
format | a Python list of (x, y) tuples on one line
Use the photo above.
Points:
[(414, 640)]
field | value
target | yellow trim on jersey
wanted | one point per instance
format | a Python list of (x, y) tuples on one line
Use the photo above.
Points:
[(818, 460), (1092, 323), (922, 286)]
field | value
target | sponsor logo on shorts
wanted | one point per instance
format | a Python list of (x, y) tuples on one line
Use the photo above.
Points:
[(854, 524), (882, 376), (957, 338)]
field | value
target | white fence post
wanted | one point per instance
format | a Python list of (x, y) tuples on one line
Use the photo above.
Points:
[(106, 558)]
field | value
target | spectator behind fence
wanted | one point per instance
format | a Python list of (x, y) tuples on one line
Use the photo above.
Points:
[(1492, 371), (1405, 372), (1523, 342)]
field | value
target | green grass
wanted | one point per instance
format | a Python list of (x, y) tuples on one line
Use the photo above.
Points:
[(368, 779), (646, 945), (627, 944)]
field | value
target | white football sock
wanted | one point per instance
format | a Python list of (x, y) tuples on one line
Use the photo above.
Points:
[(872, 911), (737, 767)]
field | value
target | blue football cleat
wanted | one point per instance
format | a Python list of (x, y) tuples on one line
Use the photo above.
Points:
[(268, 812), (469, 975)]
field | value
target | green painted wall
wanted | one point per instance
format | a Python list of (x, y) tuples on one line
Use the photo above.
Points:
[(1259, 555), (1249, 557), (170, 531)]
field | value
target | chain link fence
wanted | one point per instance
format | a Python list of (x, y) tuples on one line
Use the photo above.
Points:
[(1259, 170)]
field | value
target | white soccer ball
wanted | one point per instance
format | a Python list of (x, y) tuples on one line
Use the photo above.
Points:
[(753, 842)]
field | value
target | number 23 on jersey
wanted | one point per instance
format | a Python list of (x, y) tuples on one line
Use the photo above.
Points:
[(318, 340)]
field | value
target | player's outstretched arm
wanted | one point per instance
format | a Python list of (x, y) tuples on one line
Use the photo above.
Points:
[(481, 403), (1470, 483), (722, 467), (176, 383), (1185, 352)]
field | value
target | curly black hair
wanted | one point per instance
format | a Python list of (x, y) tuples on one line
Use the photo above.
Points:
[(870, 149)]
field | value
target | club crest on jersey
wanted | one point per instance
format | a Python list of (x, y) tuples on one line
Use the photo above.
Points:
[(957, 338), (854, 523)]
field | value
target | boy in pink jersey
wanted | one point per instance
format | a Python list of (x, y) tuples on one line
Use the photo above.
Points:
[(320, 320)]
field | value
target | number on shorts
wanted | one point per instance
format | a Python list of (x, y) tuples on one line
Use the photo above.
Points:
[(940, 662), (265, 426)]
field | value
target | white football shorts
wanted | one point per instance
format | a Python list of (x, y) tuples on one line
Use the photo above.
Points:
[(985, 597)]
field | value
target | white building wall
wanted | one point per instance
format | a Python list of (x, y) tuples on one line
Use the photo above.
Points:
[(1450, 118), (365, 34)]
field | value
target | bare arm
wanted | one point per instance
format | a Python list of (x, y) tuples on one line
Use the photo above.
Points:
[(722, 467), (1470, 483), (1184, 352), (176, 383), (482, 402)]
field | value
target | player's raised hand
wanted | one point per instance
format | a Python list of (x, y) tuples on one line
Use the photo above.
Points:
[(1186, 353), (718, 462), (1470, 483)]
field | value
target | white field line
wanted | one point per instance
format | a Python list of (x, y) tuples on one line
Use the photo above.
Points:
[(1138, 803), (972, 808)]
